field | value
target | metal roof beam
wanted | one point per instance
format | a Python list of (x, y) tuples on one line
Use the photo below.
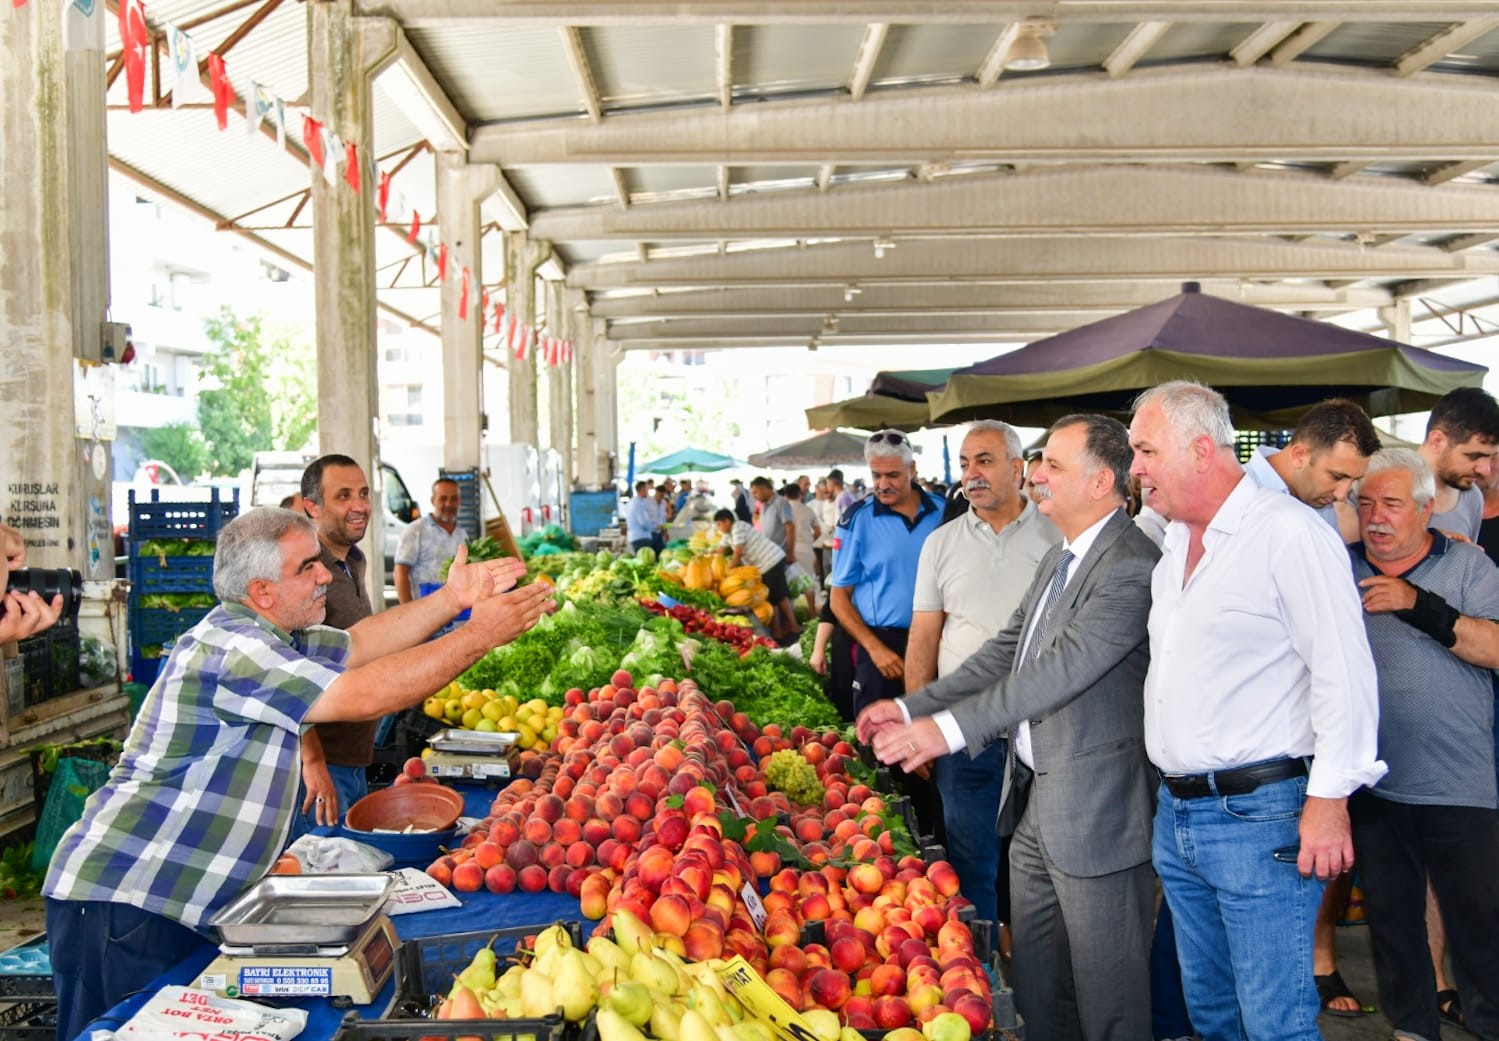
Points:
[(1452, 171), (1134, 47), (869, 55), (1443, 44), (723, 63), (1164, 201), (855, 326), (1001, 261), (423, 13), (572, 43), (1260, 42), (993, 65), (410, 84), (1299, 42), (621, 189), (1169, 114)]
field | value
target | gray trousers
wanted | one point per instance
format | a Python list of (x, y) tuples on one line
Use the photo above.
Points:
[(1081, 963)]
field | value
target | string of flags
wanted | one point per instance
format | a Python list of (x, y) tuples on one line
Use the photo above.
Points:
[(336, 160)]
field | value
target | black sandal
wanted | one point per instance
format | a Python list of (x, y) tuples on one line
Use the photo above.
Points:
[(1330, 988), (1450, 1008)]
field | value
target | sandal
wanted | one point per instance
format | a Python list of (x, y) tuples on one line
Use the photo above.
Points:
[(1450, 1008), (1330, 988)]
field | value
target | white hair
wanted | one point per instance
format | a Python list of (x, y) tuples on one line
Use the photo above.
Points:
[(1192, 411), (1423, 484), (249, 548), (1013, 448), (884, 449)]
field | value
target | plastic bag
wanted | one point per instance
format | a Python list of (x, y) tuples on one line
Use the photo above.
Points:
[(797, 579), (331, 855), (72, 784), (96, 662), (186, 1012)]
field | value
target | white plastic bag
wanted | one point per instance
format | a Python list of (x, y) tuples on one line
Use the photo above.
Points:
[(186, 1012), (331, 855)]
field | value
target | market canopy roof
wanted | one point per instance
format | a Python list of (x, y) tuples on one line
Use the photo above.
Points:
[(830, 448), (1270, 366), (895, 399), (689, 461), (721, 173)]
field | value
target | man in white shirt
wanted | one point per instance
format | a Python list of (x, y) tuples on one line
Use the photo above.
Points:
[(1066, 674), (640, 518), (427, 543), (1462, 435), (1259, 663), (969, 580)]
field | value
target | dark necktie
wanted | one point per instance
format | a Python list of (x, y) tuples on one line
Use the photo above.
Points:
[(1049, 603)]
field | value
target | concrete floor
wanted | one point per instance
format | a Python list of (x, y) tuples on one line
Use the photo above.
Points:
[(23, 920)]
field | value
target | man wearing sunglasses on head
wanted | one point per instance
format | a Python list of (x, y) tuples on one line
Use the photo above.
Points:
[(874, 578)]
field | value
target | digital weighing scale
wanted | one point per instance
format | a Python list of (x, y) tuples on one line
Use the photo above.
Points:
[(305, 936), (472, 755)]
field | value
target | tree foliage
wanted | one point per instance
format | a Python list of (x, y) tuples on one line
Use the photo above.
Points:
[(259, 392), (179, 445)]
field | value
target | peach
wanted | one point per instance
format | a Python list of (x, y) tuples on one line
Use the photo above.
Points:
[(557, 878), (818, 956), (865, 878), (786, 985), (697, 876), (532, 879), (829, 988), (924, 997), (887, 979), (698, 800), (944, 877), (790, 957), (487, 855), (550, 808), (595, 831), (579, 855), (703, 940), (781, 929), (891, 1012), (441, 871), (567, 831), (976, 1010), (785, 881), (816, 907), (537, 830), (520, 854), (848, 954), (765, 863), (671, 831), (671, 914), (626, 829)]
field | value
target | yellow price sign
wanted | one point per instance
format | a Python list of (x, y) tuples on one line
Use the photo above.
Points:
[(760, 1001)]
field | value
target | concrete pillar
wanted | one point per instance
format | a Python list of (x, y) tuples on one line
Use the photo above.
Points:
[(590, 474), (54, 288), (560, 382), (344, 53), (1397, 319), (606, 398), (522, 258), (462, 338)]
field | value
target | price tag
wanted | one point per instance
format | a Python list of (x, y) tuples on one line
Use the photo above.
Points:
[(284, 980), (753, 905), (763, 1003)]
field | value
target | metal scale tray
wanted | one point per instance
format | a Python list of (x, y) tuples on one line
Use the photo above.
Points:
[(302, 911)]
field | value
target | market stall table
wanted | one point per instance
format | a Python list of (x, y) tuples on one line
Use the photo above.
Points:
[(478, 912)]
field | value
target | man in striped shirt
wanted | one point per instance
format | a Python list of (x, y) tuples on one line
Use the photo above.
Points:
[(752, 548), (200, 803)]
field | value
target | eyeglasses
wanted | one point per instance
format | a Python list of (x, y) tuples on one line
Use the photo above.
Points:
[(890, 437)]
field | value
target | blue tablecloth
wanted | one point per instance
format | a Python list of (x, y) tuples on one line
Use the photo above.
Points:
[(479, 911)]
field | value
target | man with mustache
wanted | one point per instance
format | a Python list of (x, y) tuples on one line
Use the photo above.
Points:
[(1430, 606), (201, 801), (1462, 436), (427, 542), (969, 580)]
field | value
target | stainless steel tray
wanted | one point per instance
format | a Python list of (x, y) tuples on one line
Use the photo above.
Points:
[(304, 909), (472, 741)]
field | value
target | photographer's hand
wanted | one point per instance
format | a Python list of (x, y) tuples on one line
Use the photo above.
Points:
[(26, 614)]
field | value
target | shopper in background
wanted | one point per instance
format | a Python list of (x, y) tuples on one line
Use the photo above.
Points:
[(842, 497), (752, 548), (640, 519), (826, 512), (429, 542), (807, 531), (740, 498), (1462, 435)]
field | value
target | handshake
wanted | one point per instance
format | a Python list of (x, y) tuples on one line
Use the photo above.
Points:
[(882, 725)]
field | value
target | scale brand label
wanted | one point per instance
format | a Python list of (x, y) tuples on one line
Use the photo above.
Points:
[(270, 980)]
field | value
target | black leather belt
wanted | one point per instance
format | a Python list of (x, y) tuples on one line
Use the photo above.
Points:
[(1239, 781)]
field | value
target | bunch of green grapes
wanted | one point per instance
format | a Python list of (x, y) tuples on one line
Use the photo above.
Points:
[(786, 771)]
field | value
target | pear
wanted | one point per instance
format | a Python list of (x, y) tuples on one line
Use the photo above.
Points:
[(726, 1034), (824, 1023), (594, 966), (574, 986), (666, 1022), (614, 1027), (508, 985), (536, 995), (754, 1030), (696, 1028), (631, 1000), (655, 974), (551, 937), (850, 1034), (632, 935), (479, 976), (608, 953), (713, 1010)]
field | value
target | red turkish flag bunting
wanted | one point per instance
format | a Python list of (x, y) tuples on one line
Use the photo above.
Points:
[(133, 39), (384, 194), (499, 315), (351, 165), (523, 346), (223, 90), (463, 297), (416, 227), (442, 261), (312, 138)]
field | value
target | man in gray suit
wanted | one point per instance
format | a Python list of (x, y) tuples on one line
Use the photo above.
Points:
[(1067, 676)]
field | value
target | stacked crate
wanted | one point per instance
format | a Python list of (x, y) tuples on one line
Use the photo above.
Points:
[(150, 574)]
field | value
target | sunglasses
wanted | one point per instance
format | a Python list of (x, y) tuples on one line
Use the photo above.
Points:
[(890, 437)]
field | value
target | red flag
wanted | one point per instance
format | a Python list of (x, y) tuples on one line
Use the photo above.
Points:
[(567, 350), (133, 38), (312, 138), (499, 315), (223, 90), (384, 194), (463, 297), (416, 227), (524, 346), (351, 165), (483, 309), (442, 261)]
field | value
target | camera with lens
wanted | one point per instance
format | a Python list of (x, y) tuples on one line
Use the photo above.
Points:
[(47, 583)]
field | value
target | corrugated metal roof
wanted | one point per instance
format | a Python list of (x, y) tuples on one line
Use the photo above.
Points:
[(917, 53), (547, 187), (1372, 44), (501, 72), (642, 66), (781, 59)]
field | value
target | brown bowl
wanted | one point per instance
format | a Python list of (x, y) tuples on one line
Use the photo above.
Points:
[(421, 807)]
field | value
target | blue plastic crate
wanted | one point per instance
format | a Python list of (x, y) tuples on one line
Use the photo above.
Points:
[(159, 625), (198, 519), (150, 574), (144, 670)]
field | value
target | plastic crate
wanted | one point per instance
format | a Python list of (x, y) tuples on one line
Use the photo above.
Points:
[(143, 671), (549, 1028), (151, 574), (162, 625), (197, 519), (41, 782), (29, 1021), (50, 663), (26, 972), (426, 967)]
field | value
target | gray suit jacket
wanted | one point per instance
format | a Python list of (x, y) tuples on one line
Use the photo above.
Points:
[(1084, 696)]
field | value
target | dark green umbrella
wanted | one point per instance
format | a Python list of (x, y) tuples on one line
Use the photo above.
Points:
[(1270, 366)]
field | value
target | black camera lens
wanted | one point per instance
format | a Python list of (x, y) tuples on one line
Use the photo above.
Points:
[(50, 582)]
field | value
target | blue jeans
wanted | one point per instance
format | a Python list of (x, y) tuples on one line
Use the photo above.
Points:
[(104, 952), (970, 791), (349, 782), (1243, 918)]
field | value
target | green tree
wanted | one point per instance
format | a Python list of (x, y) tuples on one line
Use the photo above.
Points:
[(179, 445), (259, 392)]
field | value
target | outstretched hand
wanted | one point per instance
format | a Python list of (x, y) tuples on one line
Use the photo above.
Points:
[(505, 616), (877, 716), (470, 583), (911, 747)]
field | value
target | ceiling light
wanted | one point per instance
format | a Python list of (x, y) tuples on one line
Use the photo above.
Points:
[(880, 245), (1027, 53), (849, 292)]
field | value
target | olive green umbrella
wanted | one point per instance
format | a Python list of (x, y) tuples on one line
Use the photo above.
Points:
[(1270, 366), (895, 399)]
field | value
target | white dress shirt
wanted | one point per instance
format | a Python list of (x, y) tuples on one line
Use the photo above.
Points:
[(1262, 654)]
